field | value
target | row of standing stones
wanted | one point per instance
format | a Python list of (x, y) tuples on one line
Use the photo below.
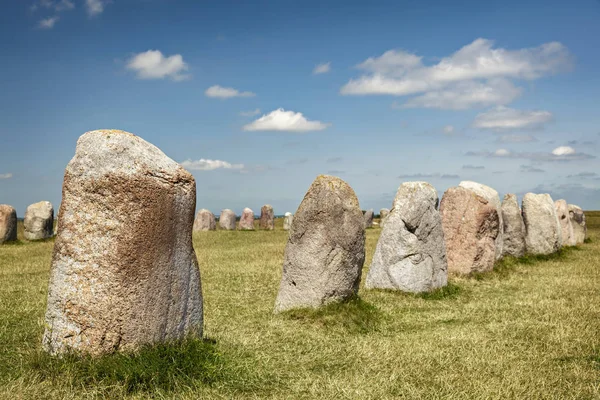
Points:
[(124, 271), (206, 221)]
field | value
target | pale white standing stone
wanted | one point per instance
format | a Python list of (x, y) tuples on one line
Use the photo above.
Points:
[(205, 221), (287, 221), (227, 220), (543, 232), (39, 220), (578, 221)]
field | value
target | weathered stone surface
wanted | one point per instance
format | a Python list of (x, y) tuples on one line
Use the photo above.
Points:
[(383, 214), (562, 213), (124, 272), (325, 251), (205, 221), (227, 220), (542, 229), (267, 218), (491, 195), (471, 226), (514, 228), (8, 223), (411, 254), (578, 222), (287, 221), (368, 216), (247, 220), (39, 221)]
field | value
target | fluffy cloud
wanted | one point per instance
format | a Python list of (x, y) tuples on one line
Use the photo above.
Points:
[(153, 65), (95, 7), (281, 120), (563, 153), (503, 118), (322, 68), (6, 176), (48, 23), (221, 92), (250, 113), (209, 165)]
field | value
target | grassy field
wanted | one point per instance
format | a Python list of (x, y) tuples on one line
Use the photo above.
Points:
[(530, 329)]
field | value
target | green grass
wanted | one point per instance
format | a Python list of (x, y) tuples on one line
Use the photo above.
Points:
[(529, 329)]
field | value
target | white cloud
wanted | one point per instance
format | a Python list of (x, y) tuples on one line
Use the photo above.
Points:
[(563, 151), (281, 120), (448, 129), (6, 176), (501, 118), (48, 23), (250, 113), (221, 92), (95, 7), (153, 65), (502, 153), (322, 68), (209, 165)]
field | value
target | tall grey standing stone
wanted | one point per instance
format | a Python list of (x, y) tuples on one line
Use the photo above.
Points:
[(542, 229), (383, 214), (325, 251), (247, 220), (205, 221), (491, 195), (39, 221), (471, 226), (368, 217), (8, 223), (513, 227), (578, 221), (287, 221), (562, 213), (124, 272), (411, 254), (227, 220), (267, 218)]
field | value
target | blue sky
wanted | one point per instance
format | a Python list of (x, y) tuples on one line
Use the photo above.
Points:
[(257, 99)]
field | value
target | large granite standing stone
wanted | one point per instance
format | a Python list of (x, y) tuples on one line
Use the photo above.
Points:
[(39, 221), (578, 221), (543, 232), (491, 195), (471, 226), (287, 221), (124, 272), (247, 220), (411, 254), (325, 251), (267, 218), (205, 221), (8, 223), (227, 220), (514, 228), (368, 217), (562, 213)]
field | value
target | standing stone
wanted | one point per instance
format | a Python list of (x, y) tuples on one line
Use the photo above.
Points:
[(227, 220), (368, 217), (411, 254), (514, 228), (205, 221), (562, 213), (383, 214), (247, 220), (471, 226), (543, 233), (8, 223), (267, 218), (492, 197), (325, 251), (287, 221), (39, 221), (124, 272), (578, 221)]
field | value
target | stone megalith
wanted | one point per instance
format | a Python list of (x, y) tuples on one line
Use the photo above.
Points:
[(287, 221), (578, 221), (267, 218), (8, 223), (383, 214), (562, 213), (513, 227), (411, 254), (542, 229), (325, 251), (39, 221), (491, 195), (368, 217), (124, 272), (247, 220), (471, 226), (205, 221), (227, 220)]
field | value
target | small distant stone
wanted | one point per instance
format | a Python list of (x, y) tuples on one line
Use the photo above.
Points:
[(368, 217), (267, 218), (562, 213), (578, 221), (543, 232), (383, 214), (205, 221), (247, 220), (287, 221), (227, 220), (8, 223), (39, 221)]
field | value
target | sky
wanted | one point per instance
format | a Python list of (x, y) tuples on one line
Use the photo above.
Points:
[(258, 98)]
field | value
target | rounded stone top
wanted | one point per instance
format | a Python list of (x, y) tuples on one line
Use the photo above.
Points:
[(415, 191), (287, 214), (248, 210), (479, 188), (6, 208)]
